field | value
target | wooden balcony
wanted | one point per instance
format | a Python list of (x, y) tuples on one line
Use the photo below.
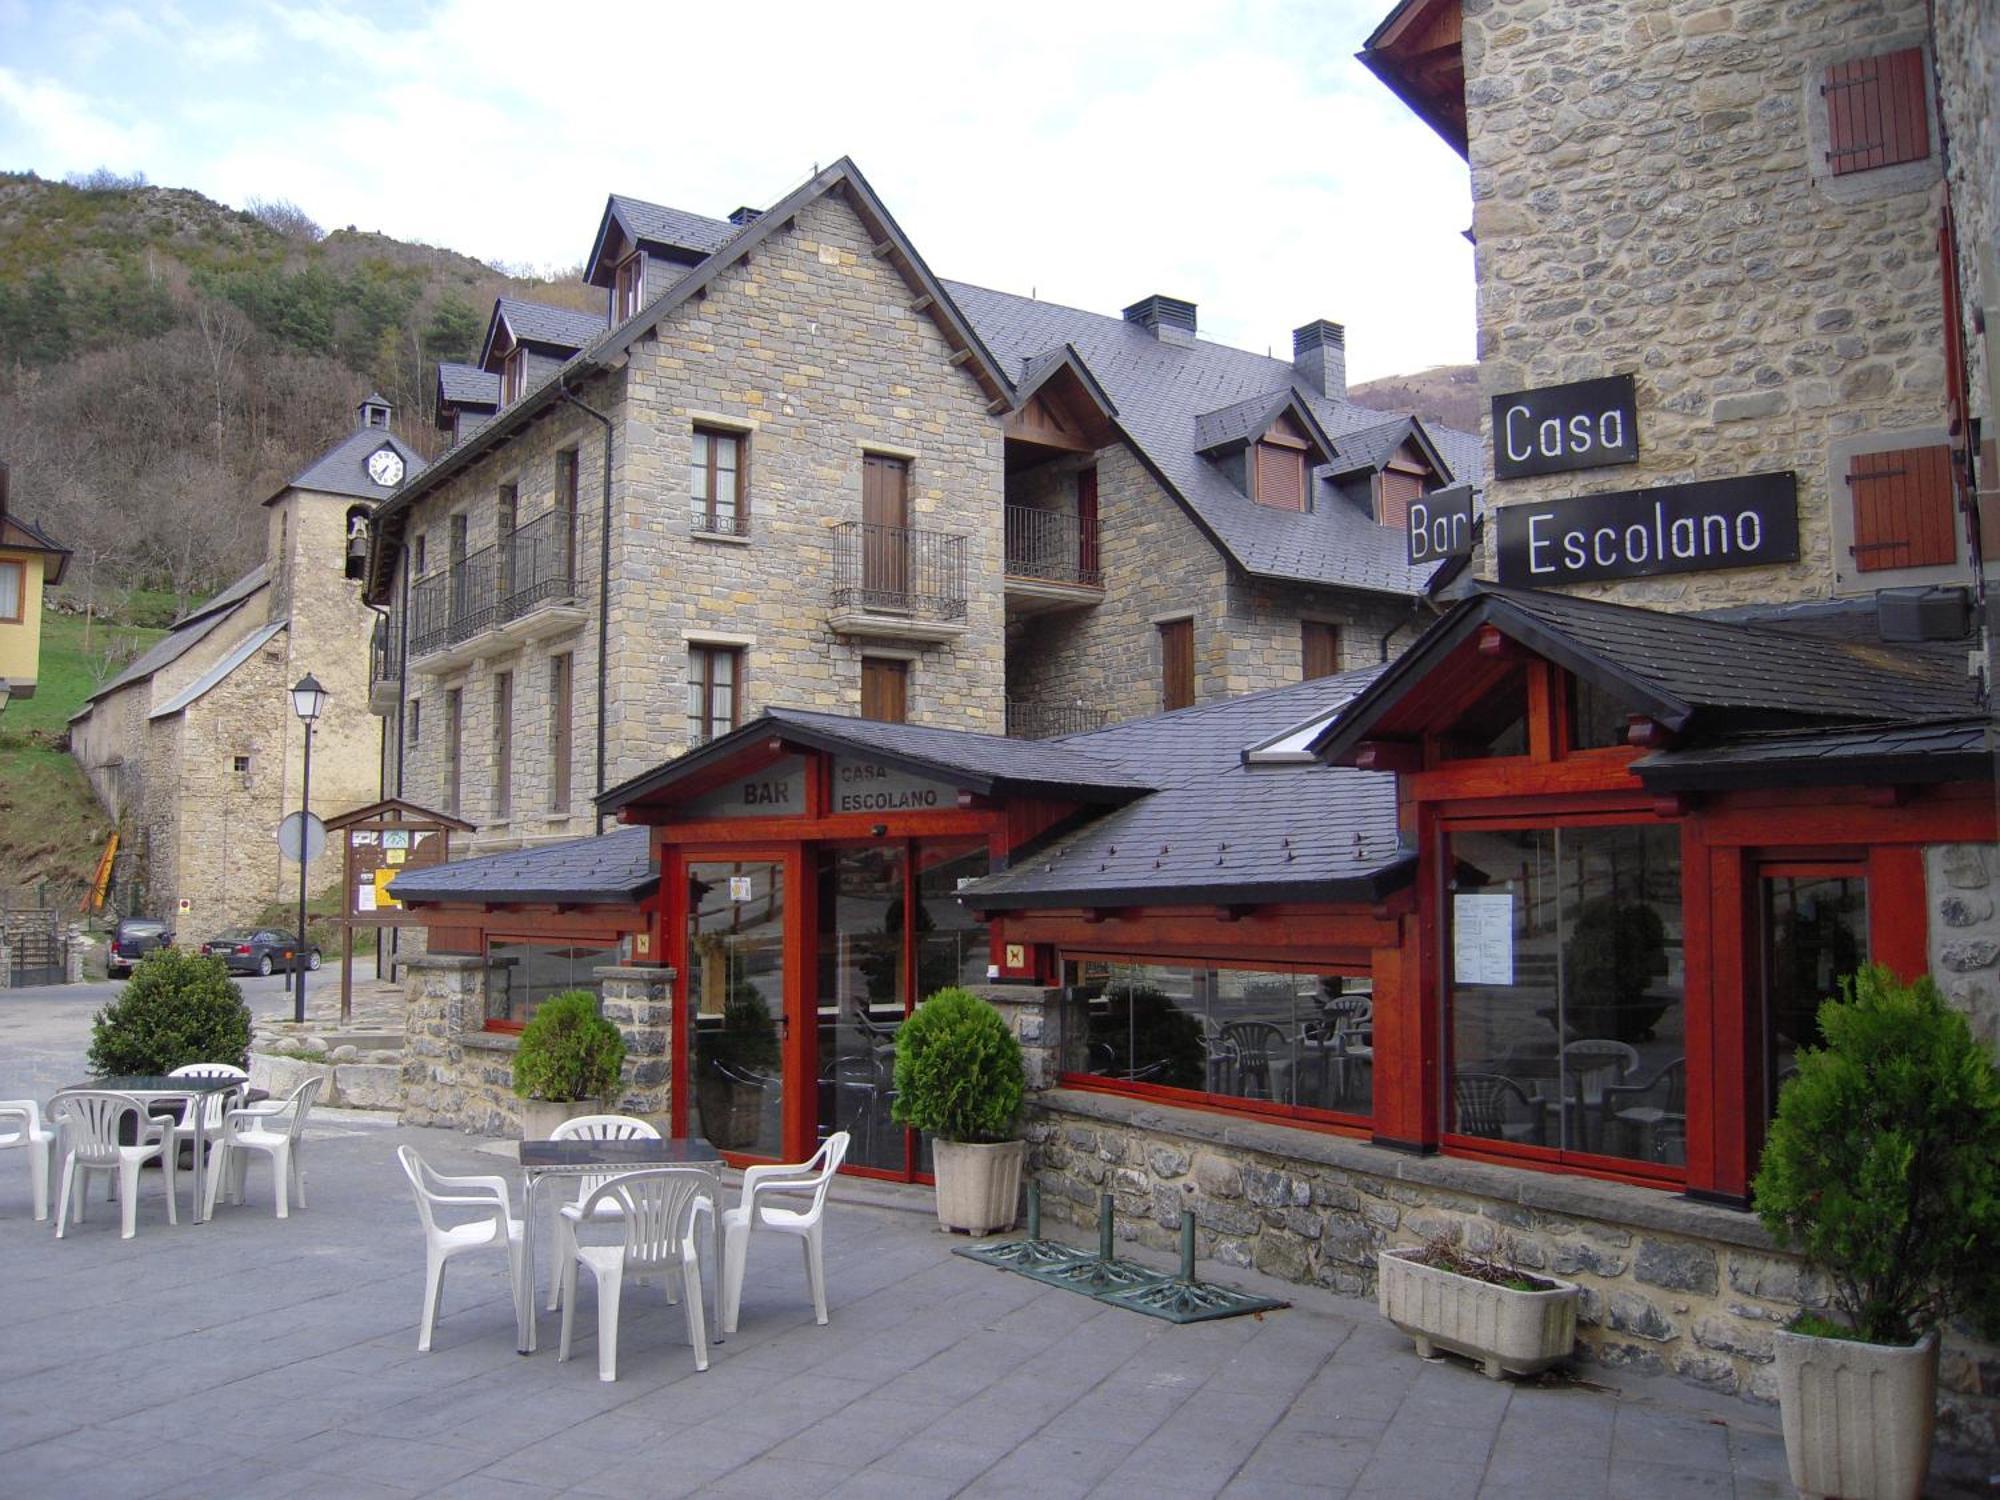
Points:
[(1052, 561)]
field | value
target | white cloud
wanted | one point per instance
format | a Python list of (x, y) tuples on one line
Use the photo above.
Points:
[(55, 130)]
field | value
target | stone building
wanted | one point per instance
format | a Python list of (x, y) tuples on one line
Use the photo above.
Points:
[(904, 497), (194, 747)]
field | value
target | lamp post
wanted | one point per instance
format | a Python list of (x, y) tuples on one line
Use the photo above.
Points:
[(308, 698)]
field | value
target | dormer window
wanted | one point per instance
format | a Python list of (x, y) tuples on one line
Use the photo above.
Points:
[(513, 377), (628, 289), (1278, 467), (1406, 477)]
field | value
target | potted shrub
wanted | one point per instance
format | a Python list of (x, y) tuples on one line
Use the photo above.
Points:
[(733, 1061), (567, 1063), (959, 1077), (1883, 1170), (177, 1008), (1484, 1307)]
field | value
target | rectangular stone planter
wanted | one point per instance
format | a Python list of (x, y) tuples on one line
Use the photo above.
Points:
[(1507, 1331), (1857, 1417)]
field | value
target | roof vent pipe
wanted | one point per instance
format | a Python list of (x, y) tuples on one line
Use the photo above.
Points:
[(1166, 318), (1319, 357)]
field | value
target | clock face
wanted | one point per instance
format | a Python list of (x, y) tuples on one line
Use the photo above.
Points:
[(385, 467)]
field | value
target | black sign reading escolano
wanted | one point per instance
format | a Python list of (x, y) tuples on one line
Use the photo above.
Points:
[(1587, 424), (1677, 528), (1440, 525)]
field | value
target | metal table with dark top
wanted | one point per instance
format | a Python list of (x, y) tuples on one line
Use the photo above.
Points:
[(161, 1088), (588, 1158)]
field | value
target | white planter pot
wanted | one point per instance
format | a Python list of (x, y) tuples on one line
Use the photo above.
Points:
[(1506, 1331), (540, 1117), (978, 1187), (1857, 1417)]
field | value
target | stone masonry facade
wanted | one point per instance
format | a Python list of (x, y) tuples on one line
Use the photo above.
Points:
[(1650, 196), (1964, 886)]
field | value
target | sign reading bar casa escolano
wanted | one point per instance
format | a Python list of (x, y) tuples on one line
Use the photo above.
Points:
[(1676, 528), (866, 786), (1587, 424)]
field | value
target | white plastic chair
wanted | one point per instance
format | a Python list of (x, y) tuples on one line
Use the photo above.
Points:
[(21, 1124), (275, 1132), (495, 1226), (89, 1120), (591, 1128), (660, 1207), (754, 1211)]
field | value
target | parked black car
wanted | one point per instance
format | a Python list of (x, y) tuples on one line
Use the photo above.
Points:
[(259, 952), (132, 940)]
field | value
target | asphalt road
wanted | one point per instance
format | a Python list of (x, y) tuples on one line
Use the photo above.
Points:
[(45, 1031)]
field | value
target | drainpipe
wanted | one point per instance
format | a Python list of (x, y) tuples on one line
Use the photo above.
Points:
[(603, 584)]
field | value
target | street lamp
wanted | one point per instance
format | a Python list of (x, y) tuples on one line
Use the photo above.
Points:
[(308, 699)]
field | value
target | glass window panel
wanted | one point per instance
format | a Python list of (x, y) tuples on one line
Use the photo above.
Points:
[(953, 943), (1496, 725), (863, 997), (1815, 933), (528, 973), (1597, 721), (736, 1001), (11, 576)]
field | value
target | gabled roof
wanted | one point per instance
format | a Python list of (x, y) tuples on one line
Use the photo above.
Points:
[(1370, 448), (244, 649), (981, 763), (1247, 420), (343, 468), (466, 386), (18, 534), (1219, 830), (561, 329), (613, 869), (403, 811), (1683, 671), (1160, 389), (1418, 51), (652, 226), (609, 350), (189, 631), (1044, 367)]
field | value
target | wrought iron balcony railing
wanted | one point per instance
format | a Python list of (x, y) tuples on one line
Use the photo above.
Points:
[(532, 567), (1045, 721), (1052, 546), (899, 570), (537, 564), (385, 650)]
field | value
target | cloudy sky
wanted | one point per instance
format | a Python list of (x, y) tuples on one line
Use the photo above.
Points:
[(1090, 152)]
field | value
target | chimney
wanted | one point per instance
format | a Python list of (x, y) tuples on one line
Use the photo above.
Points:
[(1319, 356), (741, 216), (1167, 319)]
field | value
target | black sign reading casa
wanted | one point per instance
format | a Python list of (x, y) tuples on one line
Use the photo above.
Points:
[(1440, 525), (1587, 424), (1677, 528)]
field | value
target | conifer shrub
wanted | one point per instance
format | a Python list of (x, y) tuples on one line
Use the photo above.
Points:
[(177, 1008), (958, 1070), (568, 1052)]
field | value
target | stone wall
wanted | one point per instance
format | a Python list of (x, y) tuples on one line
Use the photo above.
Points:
[(1650, 197), (1968, 64), (1964, 887), (460, 1076), (1266, 645)]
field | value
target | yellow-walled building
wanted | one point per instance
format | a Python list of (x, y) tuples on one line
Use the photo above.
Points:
[(29, 560)]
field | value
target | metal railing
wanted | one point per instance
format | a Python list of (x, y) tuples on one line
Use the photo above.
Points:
[(385, 650), (1045, 721), (1052, 545), (533, 566), (899, 570), (724, 520)]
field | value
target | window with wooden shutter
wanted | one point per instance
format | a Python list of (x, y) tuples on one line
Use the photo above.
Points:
[(1902, 509), (1320, 646), (1875, 112), (1394, 490), (1176, 664), (1280, 480), (884, 689)]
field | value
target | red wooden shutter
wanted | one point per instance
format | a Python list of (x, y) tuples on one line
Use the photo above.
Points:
[(1177, 664), (1281, 478), (1902, 509), (1875, 114), (1320, 645)]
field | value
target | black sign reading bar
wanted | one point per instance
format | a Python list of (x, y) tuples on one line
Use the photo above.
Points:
[(1587, 424), (1677, 528), (1440, 525)]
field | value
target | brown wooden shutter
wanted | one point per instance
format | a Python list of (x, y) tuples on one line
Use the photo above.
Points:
[(1281, 476), (1875, 112), (1320, 645), (1395, 490), (1177, 664), (503, 744), (884, 689), (1902, 509), (1086, 526), (885, 515)]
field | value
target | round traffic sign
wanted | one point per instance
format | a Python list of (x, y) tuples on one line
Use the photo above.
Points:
[(315, 836)]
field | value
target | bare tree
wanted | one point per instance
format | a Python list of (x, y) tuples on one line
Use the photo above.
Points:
[(224, 332), (287, 218)]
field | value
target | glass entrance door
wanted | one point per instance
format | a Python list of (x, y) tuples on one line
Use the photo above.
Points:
[(734, 1016)]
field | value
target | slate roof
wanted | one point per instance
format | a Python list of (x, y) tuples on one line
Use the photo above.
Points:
[(1218, 830), (1704, 676), (657, 224), (28, 537), (555, 327), (1162, 388), (467, 385), (1372, 447), (980, 763), (611, 869), (189, 631), (343, 468), (241, 652), (1955, 749)]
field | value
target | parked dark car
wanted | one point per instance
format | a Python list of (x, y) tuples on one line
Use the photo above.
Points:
[(259, 952), (132, 940)]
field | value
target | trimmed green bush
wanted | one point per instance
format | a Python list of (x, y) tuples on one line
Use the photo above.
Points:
[(958, 1070), (568, 1051), (177, 1008), (1883, 1165)]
